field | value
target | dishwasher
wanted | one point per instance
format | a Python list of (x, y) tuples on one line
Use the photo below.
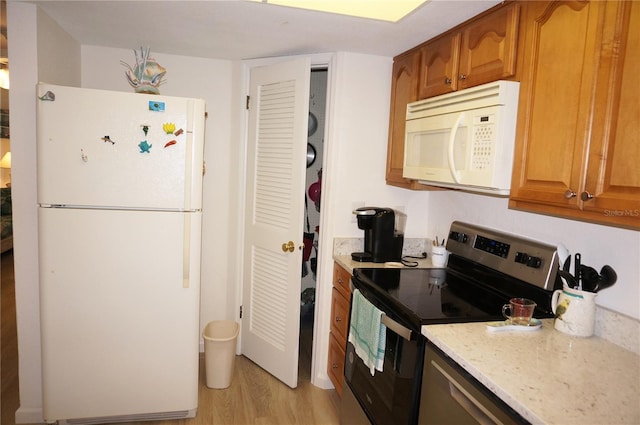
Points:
[(451, 396)]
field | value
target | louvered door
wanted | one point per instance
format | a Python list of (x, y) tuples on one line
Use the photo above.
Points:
[(276, 152)]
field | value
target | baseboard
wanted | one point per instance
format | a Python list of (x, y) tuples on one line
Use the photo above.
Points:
[(322, 382), (29, 415)]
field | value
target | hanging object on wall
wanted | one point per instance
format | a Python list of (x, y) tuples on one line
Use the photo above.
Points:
[(315, 189), (146, 75), (313, 124), (311, 155)]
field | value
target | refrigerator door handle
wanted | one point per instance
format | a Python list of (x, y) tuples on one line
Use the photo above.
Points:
[(186, 251)]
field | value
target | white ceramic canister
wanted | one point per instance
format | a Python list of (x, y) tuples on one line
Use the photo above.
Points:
[(575, 311)]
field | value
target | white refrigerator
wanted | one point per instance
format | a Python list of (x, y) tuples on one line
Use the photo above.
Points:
[(120, 198)]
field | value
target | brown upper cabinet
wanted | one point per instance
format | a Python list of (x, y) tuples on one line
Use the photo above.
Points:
[(404, 90), (478, 51), (481, 51), (577, 144)]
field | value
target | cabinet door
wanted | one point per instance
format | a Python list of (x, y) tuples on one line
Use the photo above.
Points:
[(335, 364), (342, 280), (489, 46), (404, 89), (340, 310), (439, 68), (554, 111), (613, 173)]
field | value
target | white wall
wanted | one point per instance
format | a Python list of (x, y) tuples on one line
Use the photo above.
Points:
[(40, 50), (354, 170), (599, 245)]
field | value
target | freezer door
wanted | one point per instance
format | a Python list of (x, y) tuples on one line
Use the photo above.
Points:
[(119, 312), (102, 148)]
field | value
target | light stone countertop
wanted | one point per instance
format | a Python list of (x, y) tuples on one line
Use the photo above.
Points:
[(546, 376)]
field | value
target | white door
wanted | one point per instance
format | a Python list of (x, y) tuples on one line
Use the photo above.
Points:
[(276, 165)]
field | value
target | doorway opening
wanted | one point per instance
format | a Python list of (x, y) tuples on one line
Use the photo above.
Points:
[(313, 188)]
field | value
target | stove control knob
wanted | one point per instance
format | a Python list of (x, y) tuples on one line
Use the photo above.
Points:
[(458, 237), (534, 262), (522, 257)]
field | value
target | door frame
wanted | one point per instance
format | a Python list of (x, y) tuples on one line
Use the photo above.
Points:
[(324, 273)]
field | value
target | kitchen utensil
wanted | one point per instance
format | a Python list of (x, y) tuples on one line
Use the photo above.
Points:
[(311, 155), (608, 277), (564, 257), (575, 311), (590, 278), (567, 278), (312, 125), (577, 270)]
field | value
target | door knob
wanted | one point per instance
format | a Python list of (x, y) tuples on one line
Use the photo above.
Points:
[(585, 196), (288, 246)]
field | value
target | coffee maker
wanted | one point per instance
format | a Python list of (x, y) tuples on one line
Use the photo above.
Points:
[(383, 234)]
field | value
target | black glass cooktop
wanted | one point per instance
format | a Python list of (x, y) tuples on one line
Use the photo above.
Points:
[(430, 296)]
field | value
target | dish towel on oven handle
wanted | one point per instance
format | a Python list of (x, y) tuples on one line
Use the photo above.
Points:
[(367, 333)]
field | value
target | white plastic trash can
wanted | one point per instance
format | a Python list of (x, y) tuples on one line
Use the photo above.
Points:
[(220, 352)]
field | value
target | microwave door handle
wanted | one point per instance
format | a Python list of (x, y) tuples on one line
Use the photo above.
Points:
[(452, 139)]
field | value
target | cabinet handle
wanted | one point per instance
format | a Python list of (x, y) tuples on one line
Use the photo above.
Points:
[(585, 196), (338, 319), (463, 76), (447, 80), (340, 281), (568, 194), (334, 366)]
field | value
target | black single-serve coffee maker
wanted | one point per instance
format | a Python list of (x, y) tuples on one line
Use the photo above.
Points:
[(383, 234)]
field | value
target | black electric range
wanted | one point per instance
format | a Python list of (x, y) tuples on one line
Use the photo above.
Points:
[(486, 268)]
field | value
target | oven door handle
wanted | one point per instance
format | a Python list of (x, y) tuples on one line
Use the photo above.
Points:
[(396, 327)]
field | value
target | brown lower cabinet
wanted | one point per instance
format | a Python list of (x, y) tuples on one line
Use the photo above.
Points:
[(340, 309)]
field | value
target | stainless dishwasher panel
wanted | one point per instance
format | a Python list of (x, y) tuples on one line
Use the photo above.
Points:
[(450, 396)]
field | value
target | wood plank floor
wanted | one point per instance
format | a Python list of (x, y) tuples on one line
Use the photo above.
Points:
[(254, 397)]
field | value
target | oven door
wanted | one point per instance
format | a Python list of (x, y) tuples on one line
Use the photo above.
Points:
[(393, 395)]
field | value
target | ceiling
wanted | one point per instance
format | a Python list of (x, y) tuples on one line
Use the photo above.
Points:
[(234, 29)]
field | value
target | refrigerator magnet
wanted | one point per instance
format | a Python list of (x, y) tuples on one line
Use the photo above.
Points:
[(156, 106), (178, 132), (144, 147), (171, 143), (169, 127), (145, 129), (108, 139)]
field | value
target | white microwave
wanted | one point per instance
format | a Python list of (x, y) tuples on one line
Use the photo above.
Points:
[(463, 140)]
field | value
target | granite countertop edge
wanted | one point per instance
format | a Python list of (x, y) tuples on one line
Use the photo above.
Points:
[(546, 376)]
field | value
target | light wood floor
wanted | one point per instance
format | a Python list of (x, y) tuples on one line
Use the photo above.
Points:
[(254, 397)]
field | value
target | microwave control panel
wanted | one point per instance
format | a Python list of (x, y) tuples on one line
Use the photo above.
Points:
[(483, 140)]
